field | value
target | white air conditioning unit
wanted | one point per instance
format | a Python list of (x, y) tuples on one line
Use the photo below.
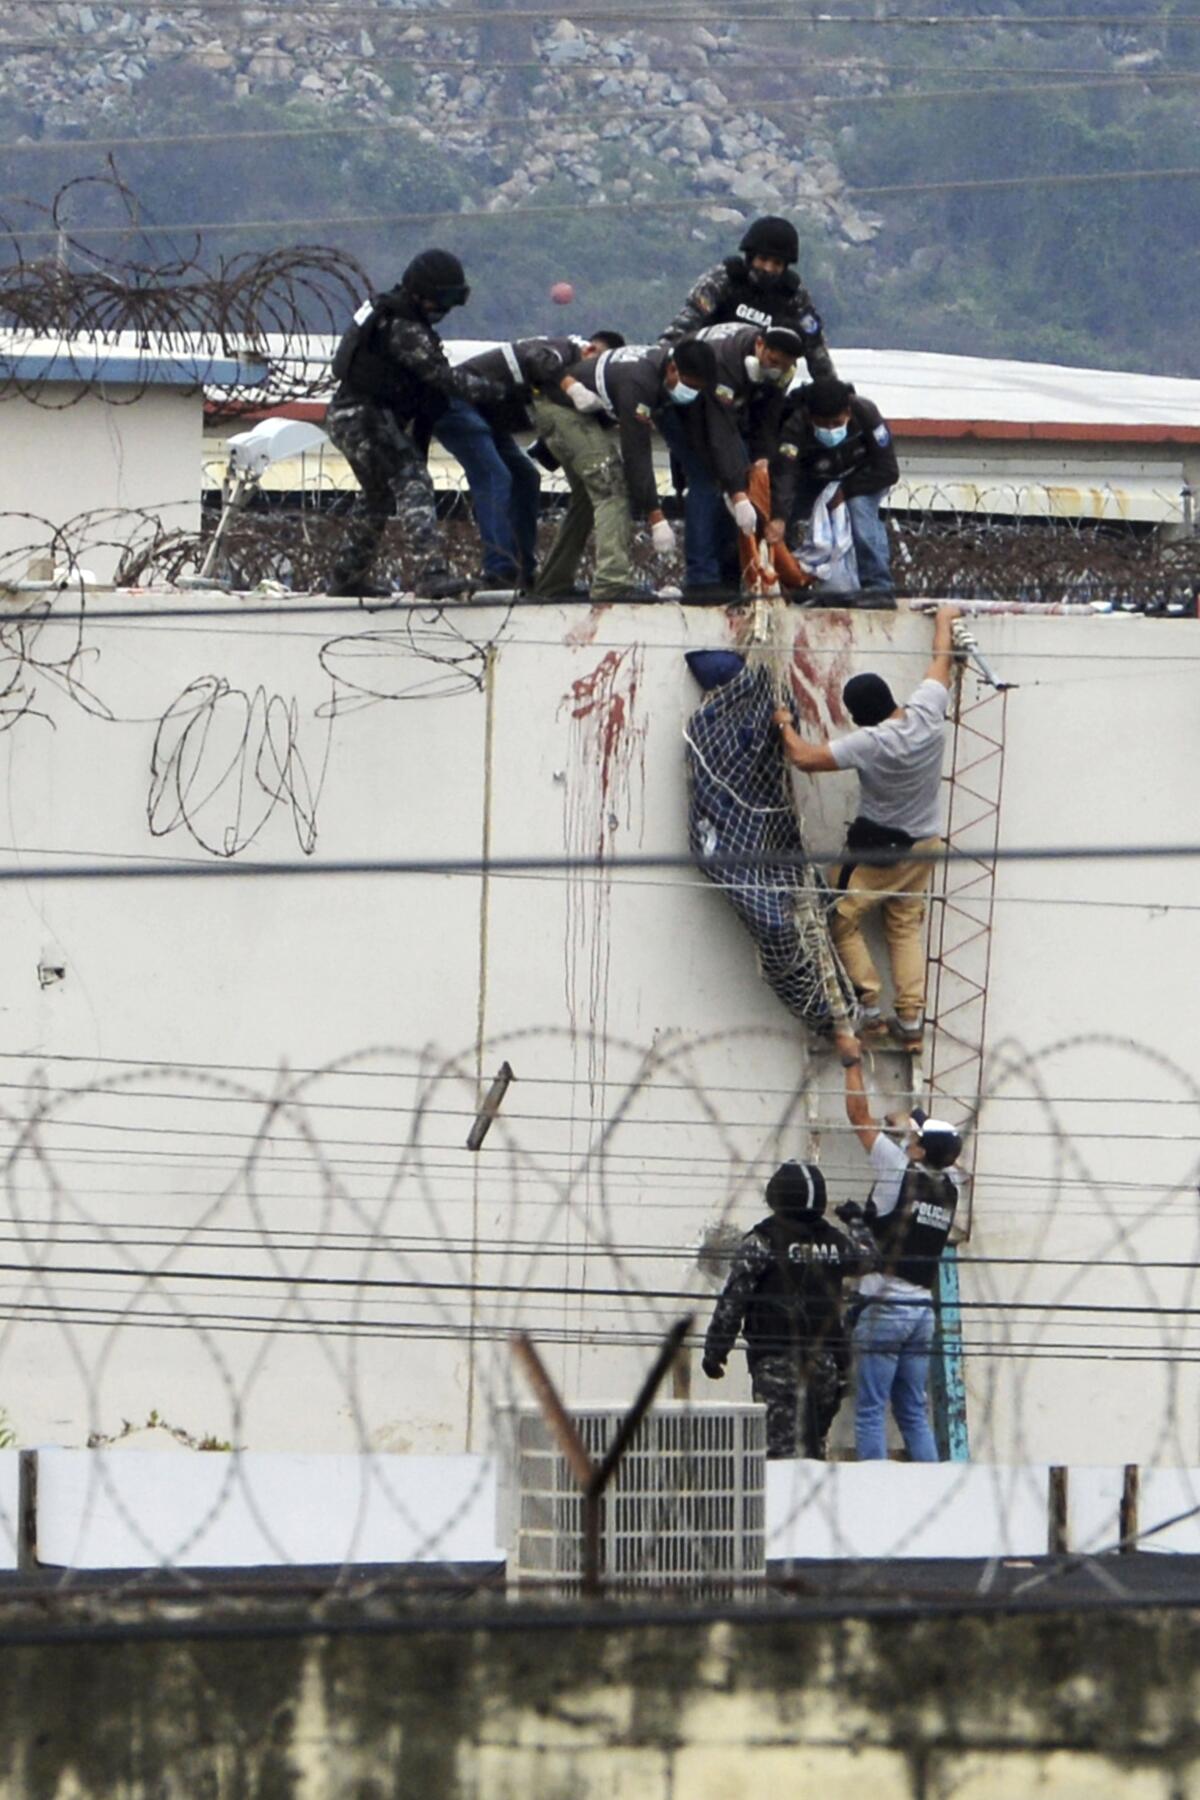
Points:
[(687, 1503)]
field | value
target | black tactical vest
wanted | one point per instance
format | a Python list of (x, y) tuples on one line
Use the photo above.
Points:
[(796, 1303), (786, 303), (913, 1235), (364, 369)]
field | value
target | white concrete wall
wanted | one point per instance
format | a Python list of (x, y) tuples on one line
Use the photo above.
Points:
[(658, 1081), (76, 453), (137, 1508)]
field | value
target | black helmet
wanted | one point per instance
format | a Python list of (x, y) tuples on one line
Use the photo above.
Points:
[(771, 237), (797, 1188), (437, 275)]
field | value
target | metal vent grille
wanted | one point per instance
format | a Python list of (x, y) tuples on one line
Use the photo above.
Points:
[(686, 1504)]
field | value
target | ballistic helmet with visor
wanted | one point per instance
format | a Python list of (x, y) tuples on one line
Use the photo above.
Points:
[(771, 236), (797, 1187), (438, 277)]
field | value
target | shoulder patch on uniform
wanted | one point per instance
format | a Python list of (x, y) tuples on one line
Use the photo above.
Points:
[(705, 302), (810, 325), (882, 435), (642, 411), (724, 393), (792, 450)]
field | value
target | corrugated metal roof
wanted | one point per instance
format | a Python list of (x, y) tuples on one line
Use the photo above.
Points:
[(122, 363), (925, 394)]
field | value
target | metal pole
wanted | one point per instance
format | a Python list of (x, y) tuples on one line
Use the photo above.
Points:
[(1128, 1526), (553, 1410), (593, 1478), (1058, 1543), (604, 1471)]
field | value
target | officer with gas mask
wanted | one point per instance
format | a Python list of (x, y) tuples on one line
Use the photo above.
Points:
[(393, 383), (832, 435), (909, 1215), (757, 287), (599, 424), (784, 1294), (754, 369)]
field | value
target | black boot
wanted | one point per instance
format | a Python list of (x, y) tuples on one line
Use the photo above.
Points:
[(357, 587), (445, 586)]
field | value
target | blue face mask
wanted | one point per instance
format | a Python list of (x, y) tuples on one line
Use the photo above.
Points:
[(830, 435), (682, 395)]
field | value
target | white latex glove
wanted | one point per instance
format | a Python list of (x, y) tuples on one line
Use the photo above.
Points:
[(744, 515), (583, 399), (662, 536)]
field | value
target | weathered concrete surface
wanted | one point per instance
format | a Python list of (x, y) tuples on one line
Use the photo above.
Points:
[(944, 1708)]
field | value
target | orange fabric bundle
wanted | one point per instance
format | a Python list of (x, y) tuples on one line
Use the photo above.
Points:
[(778, 558)]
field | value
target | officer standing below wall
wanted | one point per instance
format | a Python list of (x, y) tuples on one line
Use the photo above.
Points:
[(758, 287), (898, 752), (832, 435), (909, 1214), (393, 383), (784, 1294), (611, 471), (504, 482)]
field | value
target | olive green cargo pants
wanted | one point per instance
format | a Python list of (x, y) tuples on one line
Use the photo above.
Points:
[(591, 461)]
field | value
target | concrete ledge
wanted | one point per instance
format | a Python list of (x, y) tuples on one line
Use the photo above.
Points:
[(889, 1509), (140, 1508)]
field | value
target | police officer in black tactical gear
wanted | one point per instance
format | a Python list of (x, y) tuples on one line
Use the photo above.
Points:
[(784, 1293), (758, 287), (909, 1215), (393, 383)]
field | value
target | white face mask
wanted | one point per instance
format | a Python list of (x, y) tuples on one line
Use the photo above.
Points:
[(758, 371), (682, 395)]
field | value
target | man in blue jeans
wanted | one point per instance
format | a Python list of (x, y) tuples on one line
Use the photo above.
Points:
[(909, 1216), (504, 482)]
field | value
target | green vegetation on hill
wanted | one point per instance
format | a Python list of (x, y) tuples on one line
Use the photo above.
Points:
[(1101, 273)]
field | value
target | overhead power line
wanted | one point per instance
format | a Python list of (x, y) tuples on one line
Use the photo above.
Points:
[(517, 865), (584, 208), (785, 12), (581, 118)]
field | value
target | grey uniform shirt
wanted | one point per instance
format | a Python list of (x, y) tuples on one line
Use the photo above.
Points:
[(899, 763)]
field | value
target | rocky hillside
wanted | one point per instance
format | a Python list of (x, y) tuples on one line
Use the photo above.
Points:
[(429, 107)]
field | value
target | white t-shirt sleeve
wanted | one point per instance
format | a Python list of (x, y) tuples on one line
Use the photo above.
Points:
[(849, 752), (931, 700), (889, 1162)]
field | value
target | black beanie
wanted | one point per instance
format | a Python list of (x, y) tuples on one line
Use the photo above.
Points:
[(868, 699), (797, 1188)]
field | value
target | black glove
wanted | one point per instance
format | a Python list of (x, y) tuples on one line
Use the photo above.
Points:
[(713, 1369), (849, 1212)]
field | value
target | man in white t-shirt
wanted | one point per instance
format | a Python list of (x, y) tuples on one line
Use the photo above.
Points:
[(898, 753), (909, 1216)]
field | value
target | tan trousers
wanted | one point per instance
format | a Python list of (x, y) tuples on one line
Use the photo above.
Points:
[(900, 891)]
